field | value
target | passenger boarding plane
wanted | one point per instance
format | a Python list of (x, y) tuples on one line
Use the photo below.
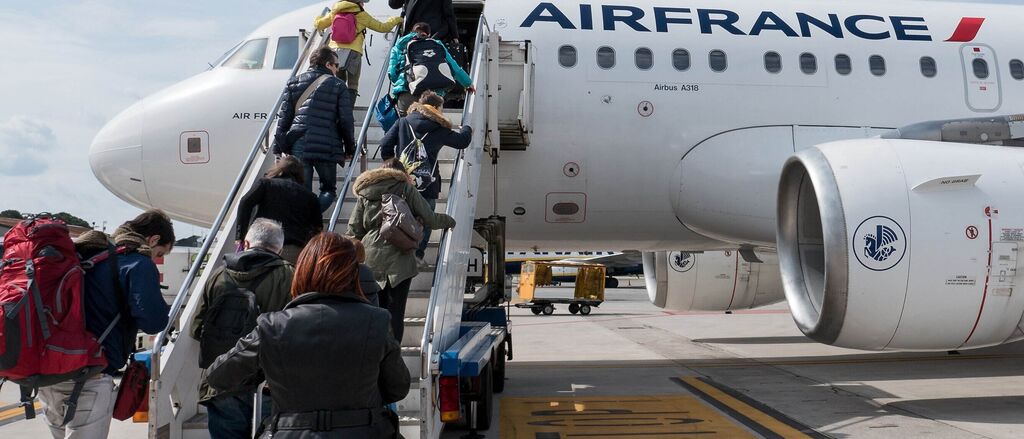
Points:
[(858, 156)]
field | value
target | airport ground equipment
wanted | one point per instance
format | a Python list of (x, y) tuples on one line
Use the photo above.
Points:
[(455, 344), (588, 291)]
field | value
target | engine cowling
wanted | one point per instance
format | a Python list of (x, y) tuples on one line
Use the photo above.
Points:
[(711, 281), (903, 244)]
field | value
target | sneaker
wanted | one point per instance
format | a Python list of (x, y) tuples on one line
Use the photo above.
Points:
[(422, 265)]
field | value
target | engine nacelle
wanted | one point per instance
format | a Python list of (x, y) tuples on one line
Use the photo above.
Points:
[(903, 244), (711, 281)]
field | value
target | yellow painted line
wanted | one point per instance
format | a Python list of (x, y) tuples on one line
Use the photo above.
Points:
[(608, 417), (10, 413), (765, 420)]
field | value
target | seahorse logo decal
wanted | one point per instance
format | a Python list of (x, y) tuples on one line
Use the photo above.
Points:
[(681, 261), (879, 243)]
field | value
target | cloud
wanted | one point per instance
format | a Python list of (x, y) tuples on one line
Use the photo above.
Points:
[(120, 51), (24, 145)]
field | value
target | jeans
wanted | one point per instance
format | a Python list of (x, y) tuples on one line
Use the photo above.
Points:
[(422, 250), (328, 172), (393, 299), (95, 408), (231, 415)]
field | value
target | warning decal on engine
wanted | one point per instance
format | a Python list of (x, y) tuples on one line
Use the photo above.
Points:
[(1012, 234), (961, 280)]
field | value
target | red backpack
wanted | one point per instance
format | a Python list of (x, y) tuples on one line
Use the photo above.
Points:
[(43, 338)]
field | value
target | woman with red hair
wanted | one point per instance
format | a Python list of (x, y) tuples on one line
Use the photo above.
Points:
[(328, 357)]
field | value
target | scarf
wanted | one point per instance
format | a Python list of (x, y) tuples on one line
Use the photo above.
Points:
[(126, 237)]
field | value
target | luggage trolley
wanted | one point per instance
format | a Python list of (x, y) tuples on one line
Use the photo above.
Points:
[(589, 290)]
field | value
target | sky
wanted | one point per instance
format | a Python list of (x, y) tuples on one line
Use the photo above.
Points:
[(70, 66)]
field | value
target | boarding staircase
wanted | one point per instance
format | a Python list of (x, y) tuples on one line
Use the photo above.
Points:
[(434, 309)]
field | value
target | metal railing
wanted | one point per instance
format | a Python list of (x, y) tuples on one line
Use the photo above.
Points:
[(480, 60), (362, 140), (193, 272)]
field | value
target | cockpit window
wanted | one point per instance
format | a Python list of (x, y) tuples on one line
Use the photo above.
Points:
[(287, 53), (221, 58), (250, 56)]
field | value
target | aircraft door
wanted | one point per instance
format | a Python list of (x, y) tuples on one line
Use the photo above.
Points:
[(981, 77)]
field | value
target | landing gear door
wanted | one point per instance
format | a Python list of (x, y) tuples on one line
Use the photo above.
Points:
[(981, 77)]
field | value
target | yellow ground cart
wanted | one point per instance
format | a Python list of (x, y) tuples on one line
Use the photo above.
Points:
[(589, 280)]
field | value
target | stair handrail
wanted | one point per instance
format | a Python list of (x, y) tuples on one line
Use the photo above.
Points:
[(193, 272), (479, 60), (361, 140)]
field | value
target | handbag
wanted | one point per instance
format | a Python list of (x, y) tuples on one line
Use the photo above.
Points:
[(386, 112), (133, 392)]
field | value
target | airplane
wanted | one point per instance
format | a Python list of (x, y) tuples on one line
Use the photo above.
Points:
[(616, 263), (865, 147)]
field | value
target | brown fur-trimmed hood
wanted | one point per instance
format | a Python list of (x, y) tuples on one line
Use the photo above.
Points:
[(431, 113), (368, 180)]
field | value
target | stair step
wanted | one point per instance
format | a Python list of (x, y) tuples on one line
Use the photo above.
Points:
[(413, 334), (201, 421), (409, 419)]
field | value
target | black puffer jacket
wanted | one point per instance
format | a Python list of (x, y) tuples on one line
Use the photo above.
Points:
[(323, 352), (439, 14), (438, 133), (285, 201), (322, 130)]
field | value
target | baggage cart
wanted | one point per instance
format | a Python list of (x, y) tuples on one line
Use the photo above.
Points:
[(589, 282)]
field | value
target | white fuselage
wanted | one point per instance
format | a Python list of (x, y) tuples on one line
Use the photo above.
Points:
[(667, 158)]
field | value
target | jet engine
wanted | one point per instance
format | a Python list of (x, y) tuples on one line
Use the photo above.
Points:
[(904, 244), (711, 281)]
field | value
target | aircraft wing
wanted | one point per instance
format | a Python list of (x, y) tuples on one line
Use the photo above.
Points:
[(627, 259)]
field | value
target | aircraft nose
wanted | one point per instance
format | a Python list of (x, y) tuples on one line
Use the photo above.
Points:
[(116, 156)]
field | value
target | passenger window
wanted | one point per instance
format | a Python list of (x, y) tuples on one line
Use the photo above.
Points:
[(808, 63), (843, 64), (877, 65), (567, 56), (250, 56), (928, 67), (1017, 69), (773, 62), (718, 60), (681, 59), (605, 57), (644, 58), (287, 53), (980, 68)]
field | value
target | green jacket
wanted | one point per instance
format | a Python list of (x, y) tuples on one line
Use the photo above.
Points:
[(272, 292), (389, 264)]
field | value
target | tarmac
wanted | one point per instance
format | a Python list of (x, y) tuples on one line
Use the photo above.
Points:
[(633, 370)]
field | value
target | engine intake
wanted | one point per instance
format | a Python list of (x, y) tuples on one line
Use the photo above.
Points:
[(885, 244)]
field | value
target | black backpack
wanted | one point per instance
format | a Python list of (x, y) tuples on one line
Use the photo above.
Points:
[(427, 66), (415, 156), (231, 316)]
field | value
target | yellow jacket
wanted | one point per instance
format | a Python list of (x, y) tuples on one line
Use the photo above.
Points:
[(363, 21)]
